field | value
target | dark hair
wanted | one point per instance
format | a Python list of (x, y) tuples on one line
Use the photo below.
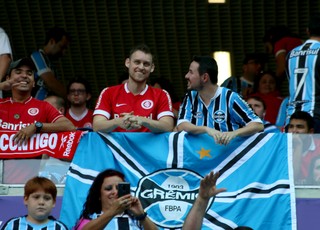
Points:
[(166, 85), (302, 115), (124, 76), (93, 202), (259, 77), (37, 183), (59, 100), (314, 26), (258, 58), (57, 34), (143, 48), (27, 61), (258, 99), (79, 80), (275, 33), (207, 65)]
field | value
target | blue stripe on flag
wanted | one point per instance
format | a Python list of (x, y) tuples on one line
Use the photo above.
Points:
[(165, 170)]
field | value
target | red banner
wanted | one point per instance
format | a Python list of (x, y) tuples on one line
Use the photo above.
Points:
[(60, 145)]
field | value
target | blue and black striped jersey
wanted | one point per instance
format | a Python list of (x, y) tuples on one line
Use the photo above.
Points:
[(303, 71), (237, 84), (227, 111), (21, 223)]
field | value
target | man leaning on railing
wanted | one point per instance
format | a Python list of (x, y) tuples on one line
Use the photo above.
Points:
[(26, 115)]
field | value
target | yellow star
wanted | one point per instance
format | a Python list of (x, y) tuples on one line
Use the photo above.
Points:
[(204, 153)]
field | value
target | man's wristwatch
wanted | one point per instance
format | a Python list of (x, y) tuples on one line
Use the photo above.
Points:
[(39, 126)]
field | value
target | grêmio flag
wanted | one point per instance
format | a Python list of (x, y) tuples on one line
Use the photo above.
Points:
[(165, 170)]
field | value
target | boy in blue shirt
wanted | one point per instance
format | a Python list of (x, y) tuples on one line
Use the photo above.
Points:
[(40, 198)]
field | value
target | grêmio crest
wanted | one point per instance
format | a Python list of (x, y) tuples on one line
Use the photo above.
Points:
[(167, 195)]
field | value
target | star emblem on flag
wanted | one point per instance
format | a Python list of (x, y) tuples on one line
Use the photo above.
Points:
[(204, 153)]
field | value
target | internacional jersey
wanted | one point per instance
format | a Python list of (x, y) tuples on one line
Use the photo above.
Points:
[(152, 103), (227, 111), (303, 71), (82, 121), (15, 116)]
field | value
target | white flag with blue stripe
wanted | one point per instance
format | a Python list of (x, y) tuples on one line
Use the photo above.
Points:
[(164, 171)]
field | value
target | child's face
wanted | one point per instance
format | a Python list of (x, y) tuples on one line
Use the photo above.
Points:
[(39, 205)]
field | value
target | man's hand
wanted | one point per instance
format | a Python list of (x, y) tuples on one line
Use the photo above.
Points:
[(226, 137), (24, 134), (215, 134), (130, 121), (208, 186), (221, 138), (8, 85)]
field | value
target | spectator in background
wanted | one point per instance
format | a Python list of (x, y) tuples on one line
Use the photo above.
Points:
[(40, 198), (79, 94), (123, 78), (50, 167), (267, 89), (162, 83), (259, 107), (5, 55), (134, 106), (304, 75), (305, 147), (26, 116), (280, 41), (217, 111), (46, 78), (57, 102), (314, 172), (14, 110), (253, 64), (282, 114)]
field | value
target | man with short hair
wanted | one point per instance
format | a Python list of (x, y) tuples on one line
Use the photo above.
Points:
[(46, 78), (26, 115), (305, 146), (217, 111), (301, 122), (134, 106), (78, 94), (57, 102), (259, 107), (253, 64)]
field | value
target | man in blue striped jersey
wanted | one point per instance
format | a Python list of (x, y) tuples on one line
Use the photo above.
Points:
[(303, 71), (46, 78), (253, 64), (217, 111)]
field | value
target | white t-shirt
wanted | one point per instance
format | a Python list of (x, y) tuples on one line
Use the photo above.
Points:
[(5, 47)]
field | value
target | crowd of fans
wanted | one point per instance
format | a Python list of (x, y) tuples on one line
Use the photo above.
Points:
[(242, 106)]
